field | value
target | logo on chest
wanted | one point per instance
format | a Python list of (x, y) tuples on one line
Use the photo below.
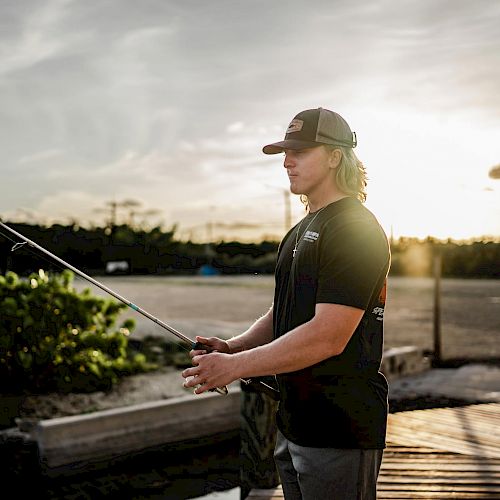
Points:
[(310, 236)]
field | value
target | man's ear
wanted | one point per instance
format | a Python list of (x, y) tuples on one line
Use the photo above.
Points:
[(335, 158)]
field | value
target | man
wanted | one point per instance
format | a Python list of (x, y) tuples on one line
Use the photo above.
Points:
[(323, 335)]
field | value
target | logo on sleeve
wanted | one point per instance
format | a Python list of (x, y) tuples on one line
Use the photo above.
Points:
[(379, 310), (379, 313)]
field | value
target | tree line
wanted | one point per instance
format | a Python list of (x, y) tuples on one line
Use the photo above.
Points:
[(158, 251)]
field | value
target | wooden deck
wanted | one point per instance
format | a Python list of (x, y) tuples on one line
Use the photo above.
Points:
[(442, 453)]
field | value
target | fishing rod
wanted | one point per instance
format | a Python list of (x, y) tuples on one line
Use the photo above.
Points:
[(258, 384)]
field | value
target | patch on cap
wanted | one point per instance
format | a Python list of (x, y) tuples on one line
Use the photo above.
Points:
[(295, 126)]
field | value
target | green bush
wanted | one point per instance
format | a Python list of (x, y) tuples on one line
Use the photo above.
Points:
[(53, 338)]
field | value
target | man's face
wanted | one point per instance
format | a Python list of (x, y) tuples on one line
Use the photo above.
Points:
[(308, 169)]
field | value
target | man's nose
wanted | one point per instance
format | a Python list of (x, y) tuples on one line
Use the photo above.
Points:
[(288, 162)]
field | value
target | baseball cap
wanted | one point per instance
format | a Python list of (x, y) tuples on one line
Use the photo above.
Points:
[(314, 127)]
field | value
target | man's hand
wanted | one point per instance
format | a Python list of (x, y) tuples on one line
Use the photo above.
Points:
[(210, 371), (213, 344)]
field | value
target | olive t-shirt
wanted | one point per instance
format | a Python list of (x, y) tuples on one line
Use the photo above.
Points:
[(342, 257)]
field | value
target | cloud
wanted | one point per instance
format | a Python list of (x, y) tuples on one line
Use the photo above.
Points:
[(48, 154), (32, 43), (62, 207)]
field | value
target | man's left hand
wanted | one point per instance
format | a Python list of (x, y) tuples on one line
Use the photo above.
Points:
[(210, 371)]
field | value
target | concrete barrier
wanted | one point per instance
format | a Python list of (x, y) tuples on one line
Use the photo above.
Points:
[(109, 433), (402, 361)]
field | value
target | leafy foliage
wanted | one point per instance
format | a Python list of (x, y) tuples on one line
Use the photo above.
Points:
[(54, 338)]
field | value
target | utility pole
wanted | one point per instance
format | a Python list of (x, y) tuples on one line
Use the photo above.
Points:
[(288, 210), (210, 234), (437, 265), (288, 206), (112, 222)]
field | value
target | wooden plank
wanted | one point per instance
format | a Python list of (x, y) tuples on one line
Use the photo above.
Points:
[(408, 479), (480, 431), (438, 456), (433, 495), (470, 421), (442, 487), (438, 459), (457, 444), (266, 494), (486, 416), (411, 451), (487, 411), (442, 467)]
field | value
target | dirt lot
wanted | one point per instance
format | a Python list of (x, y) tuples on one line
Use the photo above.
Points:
[(470, 309)]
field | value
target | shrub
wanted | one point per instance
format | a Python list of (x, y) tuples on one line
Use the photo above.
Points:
[(53, 338)]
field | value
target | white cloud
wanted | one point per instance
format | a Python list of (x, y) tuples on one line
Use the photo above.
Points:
[(35, 41), (235, 127), (48, 154)]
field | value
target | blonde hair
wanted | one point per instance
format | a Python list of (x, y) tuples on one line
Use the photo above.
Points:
[(351, 177)]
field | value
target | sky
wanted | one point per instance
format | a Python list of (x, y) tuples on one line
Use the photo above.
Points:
[(168, 104)]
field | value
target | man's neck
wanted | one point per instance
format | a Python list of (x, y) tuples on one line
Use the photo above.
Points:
[(315, 205)]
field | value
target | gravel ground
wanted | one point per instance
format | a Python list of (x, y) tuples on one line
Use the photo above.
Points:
[(163, 384)]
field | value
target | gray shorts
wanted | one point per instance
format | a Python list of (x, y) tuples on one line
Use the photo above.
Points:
[(326, 473)]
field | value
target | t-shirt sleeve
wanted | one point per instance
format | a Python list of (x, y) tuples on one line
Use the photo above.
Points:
[(352, 260)]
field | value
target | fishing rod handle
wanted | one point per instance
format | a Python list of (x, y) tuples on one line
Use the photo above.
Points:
[(255, 384), (198, 346)]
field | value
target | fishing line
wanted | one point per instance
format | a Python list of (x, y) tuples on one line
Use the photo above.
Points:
[(26, 241), (258, 384), (22, 244), (33, 251)]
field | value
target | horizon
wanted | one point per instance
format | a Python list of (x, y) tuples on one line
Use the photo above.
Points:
[(486, 238)]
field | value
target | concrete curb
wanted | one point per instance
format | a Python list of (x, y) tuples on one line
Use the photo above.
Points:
[(104, 434), (403, 361)]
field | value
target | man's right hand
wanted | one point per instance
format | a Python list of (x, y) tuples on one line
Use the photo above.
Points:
[(212, 344)]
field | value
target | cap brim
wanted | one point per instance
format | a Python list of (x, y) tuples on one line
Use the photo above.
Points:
[(279, 147)]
